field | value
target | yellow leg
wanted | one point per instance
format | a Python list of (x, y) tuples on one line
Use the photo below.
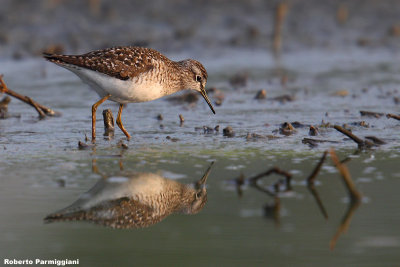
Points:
[(119, 122), (94, 108)]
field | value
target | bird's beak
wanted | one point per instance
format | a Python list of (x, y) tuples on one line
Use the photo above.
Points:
[(204, 94), (202, 182)]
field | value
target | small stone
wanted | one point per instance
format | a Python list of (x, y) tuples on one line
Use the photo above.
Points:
[(160, 117), (82, 145), (218, 102), (341, 93), (228, 131), (287, 129), (284, 98), (172, 139), (181, 118), (262, 94), (313, 131)]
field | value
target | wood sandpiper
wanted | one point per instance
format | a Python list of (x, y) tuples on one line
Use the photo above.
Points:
[(137, 201), (131, 75)]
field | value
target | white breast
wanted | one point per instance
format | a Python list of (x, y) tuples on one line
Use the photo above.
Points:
[(141, 187), (121, 91)]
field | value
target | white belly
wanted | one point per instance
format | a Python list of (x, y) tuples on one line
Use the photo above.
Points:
[(128, 91), (142, 187)]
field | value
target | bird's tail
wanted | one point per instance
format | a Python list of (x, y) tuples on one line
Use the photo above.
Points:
[(62, 217), (63, 60)]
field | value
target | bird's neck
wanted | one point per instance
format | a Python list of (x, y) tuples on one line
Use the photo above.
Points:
[(182, 73)]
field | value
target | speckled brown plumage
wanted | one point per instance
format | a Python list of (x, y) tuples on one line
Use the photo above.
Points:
[(119, 213), (119, 62), (157, 198)]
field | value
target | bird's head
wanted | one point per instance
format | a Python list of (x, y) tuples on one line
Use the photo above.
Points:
[(195, 78), (198, 196)]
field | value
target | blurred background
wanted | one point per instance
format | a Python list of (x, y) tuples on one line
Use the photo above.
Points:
[(27, 28), (311, 63)]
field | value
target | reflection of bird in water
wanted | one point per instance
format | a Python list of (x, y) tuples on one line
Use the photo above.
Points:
[(138, 201)]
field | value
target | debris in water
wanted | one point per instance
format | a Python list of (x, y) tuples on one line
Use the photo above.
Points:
[(341, 93), (376, 140), (42, 110), (108, 122), (361, 143), (208, 130), (393, 116), (355, 198), (371, 114), (228, 131), (181, 120), (262, 94), (160, 117), (284, 98), (342, 168), (313, 175), (313, 131), (297, 124), (254, 137), (315, 142), (4, 107), (172, 139), (287, 129), (83, 146)]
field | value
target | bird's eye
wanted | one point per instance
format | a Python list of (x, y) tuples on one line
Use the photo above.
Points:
[(198, 78), (198, 195)]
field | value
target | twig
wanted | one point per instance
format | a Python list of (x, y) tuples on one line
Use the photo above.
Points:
[(355, 196), (311, 186), (344, 226), (313, 175), (280, 14), (315, 194), (371, 114), (273, 211), (108, 122), (315, 142), (361, 143), (45, 110), (239, 183), (376, 140), (34, 104), (288, 176), (393, 116)]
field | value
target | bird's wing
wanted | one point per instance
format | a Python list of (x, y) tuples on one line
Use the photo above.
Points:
[(119, 62), (118, 213)]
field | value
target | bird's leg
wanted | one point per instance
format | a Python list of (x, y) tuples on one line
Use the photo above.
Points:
[(119, 122), (94, 108)]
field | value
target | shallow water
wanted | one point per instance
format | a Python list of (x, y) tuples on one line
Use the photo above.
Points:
[(42, 169)]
